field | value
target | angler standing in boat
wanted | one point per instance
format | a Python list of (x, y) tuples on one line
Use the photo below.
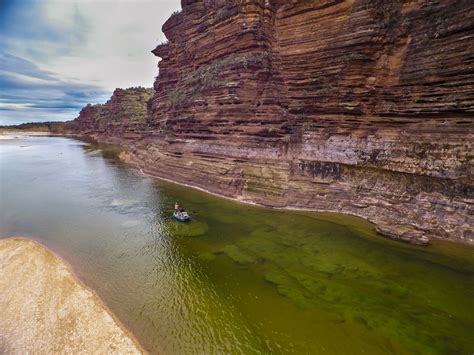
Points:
[(180, 213)]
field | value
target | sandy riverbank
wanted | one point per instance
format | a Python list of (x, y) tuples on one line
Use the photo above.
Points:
[(45, 309), (4, 137)]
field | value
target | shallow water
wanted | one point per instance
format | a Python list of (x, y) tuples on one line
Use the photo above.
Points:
[(238, 279)]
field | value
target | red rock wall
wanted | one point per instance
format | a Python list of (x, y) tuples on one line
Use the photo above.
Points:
[(376, 57), (123, 116), (234, 65), (358, 106)]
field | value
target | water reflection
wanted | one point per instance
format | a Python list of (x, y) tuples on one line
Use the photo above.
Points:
[(237, 279)]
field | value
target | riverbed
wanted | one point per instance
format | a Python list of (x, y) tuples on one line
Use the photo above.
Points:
[(238, 278)]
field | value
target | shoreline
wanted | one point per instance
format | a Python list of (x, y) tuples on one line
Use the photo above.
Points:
[(59, 267), (9, 137), (380, 228), (287, 208), (243, 201), (293, 209)]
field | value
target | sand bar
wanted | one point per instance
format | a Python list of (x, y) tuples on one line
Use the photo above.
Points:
[(45, 309), (4, 137)]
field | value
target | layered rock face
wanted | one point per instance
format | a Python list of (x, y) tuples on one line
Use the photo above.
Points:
[(359, 106), (122, 117)]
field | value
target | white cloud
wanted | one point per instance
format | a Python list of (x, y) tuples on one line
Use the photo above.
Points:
[(28, 78), (104, 43), (11, 106), (58, 55)]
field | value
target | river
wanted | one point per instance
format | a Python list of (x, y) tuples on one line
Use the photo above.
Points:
[(237, 279)]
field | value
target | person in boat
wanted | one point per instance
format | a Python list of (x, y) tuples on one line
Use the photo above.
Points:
[(180, 213)]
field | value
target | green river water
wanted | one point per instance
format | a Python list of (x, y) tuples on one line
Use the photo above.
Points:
[(238, 279)]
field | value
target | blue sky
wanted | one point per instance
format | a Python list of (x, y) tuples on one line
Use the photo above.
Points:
[(58, 55)]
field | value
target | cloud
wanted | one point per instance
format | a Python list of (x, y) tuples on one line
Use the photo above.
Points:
[(59, 55), (29, 94)]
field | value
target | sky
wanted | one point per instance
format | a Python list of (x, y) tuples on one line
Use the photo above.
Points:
[(56, 56)]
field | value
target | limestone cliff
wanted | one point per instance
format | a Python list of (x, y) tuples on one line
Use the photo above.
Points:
[(358, 106)]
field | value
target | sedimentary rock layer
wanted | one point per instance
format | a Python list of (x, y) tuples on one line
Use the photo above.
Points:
[(359, 106), (124, 115)]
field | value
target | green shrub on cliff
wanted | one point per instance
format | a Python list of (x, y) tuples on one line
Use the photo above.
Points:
[(126, 109), (207, 76), (179, 98)]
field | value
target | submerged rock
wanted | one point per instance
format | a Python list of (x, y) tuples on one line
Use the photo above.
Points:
[(403, 233), (238, 255), (207, 257), (288, 287), (188, 229)]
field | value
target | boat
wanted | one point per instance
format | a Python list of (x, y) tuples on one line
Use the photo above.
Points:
[(181, 216)]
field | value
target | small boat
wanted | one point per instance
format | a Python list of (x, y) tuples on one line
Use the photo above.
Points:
[(181, 216)]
